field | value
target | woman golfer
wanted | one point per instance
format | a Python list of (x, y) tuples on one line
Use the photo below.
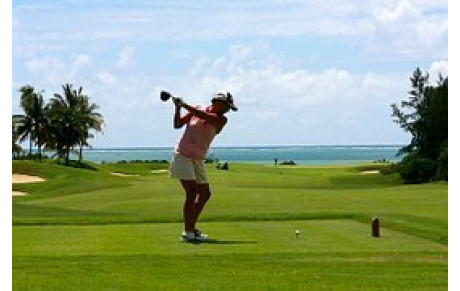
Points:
[(187, 165)]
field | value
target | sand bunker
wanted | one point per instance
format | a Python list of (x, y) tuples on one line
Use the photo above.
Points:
[(20, 178), (19, 193), (370, 172), (123, 175), (159, 171)]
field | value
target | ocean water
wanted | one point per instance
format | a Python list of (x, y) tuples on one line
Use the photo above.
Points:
[(302, 155)]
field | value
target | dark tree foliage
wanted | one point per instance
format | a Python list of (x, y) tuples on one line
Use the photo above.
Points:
[(425, 117)]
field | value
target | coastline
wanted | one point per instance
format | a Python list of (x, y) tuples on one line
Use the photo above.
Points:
[(254, 146), (300, 154)]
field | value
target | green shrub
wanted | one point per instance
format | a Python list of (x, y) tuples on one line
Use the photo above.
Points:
[(442, 170), (415, 169), (288, 163), (390, 169)]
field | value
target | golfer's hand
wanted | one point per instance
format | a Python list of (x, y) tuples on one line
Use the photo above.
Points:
[(178, 101)]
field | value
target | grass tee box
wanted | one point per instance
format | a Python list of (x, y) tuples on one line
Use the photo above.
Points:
[(97, 256), (86, 229)]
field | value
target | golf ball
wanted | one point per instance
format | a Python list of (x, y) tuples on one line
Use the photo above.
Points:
[(297, 233)]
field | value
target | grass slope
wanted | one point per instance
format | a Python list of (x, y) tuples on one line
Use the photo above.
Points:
[(87, 229)]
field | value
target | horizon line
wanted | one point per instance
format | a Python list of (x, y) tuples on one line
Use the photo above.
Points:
[(244, 146), (260, 146)]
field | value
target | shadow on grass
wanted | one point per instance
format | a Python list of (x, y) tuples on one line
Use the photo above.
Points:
[(78, 165), (224, 242)]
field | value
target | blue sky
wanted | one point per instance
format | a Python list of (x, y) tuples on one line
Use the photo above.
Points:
[(301, 72)]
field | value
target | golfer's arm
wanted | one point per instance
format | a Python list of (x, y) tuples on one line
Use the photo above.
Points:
[(214, 119), (180, 121)]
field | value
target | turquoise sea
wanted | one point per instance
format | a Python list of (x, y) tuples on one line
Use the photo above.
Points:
[(302, 155)]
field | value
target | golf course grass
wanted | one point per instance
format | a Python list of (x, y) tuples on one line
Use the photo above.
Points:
[(89, 229)]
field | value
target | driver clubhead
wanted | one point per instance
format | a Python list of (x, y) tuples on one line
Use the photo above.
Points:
[(165, 96)]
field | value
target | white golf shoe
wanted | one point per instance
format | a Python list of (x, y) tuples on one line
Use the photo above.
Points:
[(199, 236), (195, 236)]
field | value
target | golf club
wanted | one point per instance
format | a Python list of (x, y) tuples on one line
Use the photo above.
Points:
[(165, 96)]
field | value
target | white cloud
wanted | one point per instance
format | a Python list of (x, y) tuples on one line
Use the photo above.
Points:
[(436, 68), (125, 57), (402, 10), (404, 29), (50, 70), (267, 93), (107, 78), (81, 60), (377, 24), (54, 70), (254, 79), (275, 99)]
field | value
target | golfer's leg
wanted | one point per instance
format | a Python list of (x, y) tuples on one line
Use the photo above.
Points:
[(204, 193), (189, 204)]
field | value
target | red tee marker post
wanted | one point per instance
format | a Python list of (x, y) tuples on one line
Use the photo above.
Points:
[(375, 227)]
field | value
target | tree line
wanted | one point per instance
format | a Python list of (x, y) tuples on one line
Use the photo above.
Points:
[(425, 116), (62, 125)]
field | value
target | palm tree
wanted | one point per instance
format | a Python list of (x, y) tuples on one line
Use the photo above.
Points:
[(72, 116), (91, 120), (16, 122), (40, 117), (64, 122), (25, 122), (32, 124)]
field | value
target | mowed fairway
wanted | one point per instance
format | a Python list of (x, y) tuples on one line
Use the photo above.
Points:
[(86, 229)]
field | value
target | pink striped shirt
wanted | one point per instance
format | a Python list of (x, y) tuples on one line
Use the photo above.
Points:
[(196, 139)]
